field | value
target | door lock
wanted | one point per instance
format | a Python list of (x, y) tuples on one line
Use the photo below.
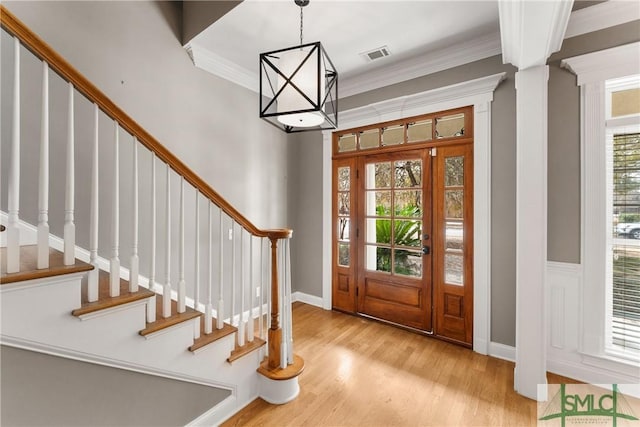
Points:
[(426, 250)]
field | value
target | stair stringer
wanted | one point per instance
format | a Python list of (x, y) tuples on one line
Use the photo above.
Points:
[(36, 315)]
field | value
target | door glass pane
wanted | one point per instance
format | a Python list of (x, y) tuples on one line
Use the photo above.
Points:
[(347, 143), (453, 269), (419, 131), (450, 126), (393, 135), (408, 203), (344, 205), (407, 232), (408, 173), (378, 258), (453, 203), (378, 203), (454, 235), (454, 171), (369, 139), (344, 225), (407, 263), (344, 178), (378, 175), (344, 257), (378, 231)]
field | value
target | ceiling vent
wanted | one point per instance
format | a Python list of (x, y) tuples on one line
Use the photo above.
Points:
[(377, 53)]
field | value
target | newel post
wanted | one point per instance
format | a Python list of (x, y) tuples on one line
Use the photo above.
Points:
[(275, 332)]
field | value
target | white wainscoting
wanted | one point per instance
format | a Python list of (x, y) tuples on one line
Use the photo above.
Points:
[(563, 296)]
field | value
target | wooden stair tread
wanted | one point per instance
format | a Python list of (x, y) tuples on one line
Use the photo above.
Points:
[(175, 318), (246, 349), (280, 374), (106, 301), (28, 265), (215, 334)]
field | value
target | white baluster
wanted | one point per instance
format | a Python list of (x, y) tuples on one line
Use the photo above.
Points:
[(166, 292), (220, 313), (182, 287), (233, 273), (134, 271), (69, 195), (262, 292), (196, 290), (114, 264), (283, 311), (151, 305), (241, 328), (92, 292), (208, 315), (287, 307), (252, 292), (13, 230), (43, 181)]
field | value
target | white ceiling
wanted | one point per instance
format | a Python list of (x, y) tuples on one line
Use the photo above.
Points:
[(423, 36), (347, 29)]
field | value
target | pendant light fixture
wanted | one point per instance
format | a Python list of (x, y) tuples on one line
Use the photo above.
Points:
[(299, 86)]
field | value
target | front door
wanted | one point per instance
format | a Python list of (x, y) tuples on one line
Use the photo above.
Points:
[(403, 223), (394, 278)]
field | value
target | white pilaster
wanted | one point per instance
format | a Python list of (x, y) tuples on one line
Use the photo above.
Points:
[(531, 228)]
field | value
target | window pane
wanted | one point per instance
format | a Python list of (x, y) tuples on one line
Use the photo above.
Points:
[(625, 102), (378, 231), (344, 257), (378, 203), (393, 135), (625, 256), (378, 175), (369, 139), (344, 178), (378, 258), (347, 143), (454, 171), (454, 235), (419, 131), (407, 232), (407, 263), (408, 203), (453, 269), (449, 126), (344, 206), (408, 173), (453, 200), (344, 225)]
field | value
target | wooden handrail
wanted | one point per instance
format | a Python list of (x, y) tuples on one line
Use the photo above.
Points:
[(56, 62)]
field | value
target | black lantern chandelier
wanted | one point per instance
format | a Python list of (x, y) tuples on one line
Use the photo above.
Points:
[(299, 86)]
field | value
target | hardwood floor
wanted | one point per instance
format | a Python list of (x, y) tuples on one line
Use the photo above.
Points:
[(361, 372)]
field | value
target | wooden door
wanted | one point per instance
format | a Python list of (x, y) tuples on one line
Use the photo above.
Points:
[(394, 238)]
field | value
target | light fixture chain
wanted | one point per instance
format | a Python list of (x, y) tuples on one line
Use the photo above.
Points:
[(301, 26)]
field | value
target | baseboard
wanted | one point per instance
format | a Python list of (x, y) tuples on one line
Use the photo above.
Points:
[(307, 299), (502, 351), (218, 414), (587, 373)]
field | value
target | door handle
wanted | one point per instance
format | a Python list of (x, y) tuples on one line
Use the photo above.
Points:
[(426, 250)]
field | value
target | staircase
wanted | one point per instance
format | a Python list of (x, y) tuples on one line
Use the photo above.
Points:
[(222, 319)]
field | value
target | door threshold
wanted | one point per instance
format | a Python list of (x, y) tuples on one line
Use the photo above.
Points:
[(397, 325)]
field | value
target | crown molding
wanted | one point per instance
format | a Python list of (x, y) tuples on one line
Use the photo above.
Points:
[(605, 64), (422, 65), (531, 31), (601, 16), (222, 67)]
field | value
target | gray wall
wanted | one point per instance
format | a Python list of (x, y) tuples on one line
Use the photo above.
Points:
[(198, 15), (563, 173), (43, 390)]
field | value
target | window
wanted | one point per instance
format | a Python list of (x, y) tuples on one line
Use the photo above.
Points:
[(610, 120), (622, 333)]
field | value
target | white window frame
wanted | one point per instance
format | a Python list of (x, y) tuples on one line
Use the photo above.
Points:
[(593, 70)]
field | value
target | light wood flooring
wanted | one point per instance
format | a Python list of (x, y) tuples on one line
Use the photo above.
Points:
[(361, 372)]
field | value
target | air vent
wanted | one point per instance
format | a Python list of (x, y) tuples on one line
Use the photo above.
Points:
[(377, 53)]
